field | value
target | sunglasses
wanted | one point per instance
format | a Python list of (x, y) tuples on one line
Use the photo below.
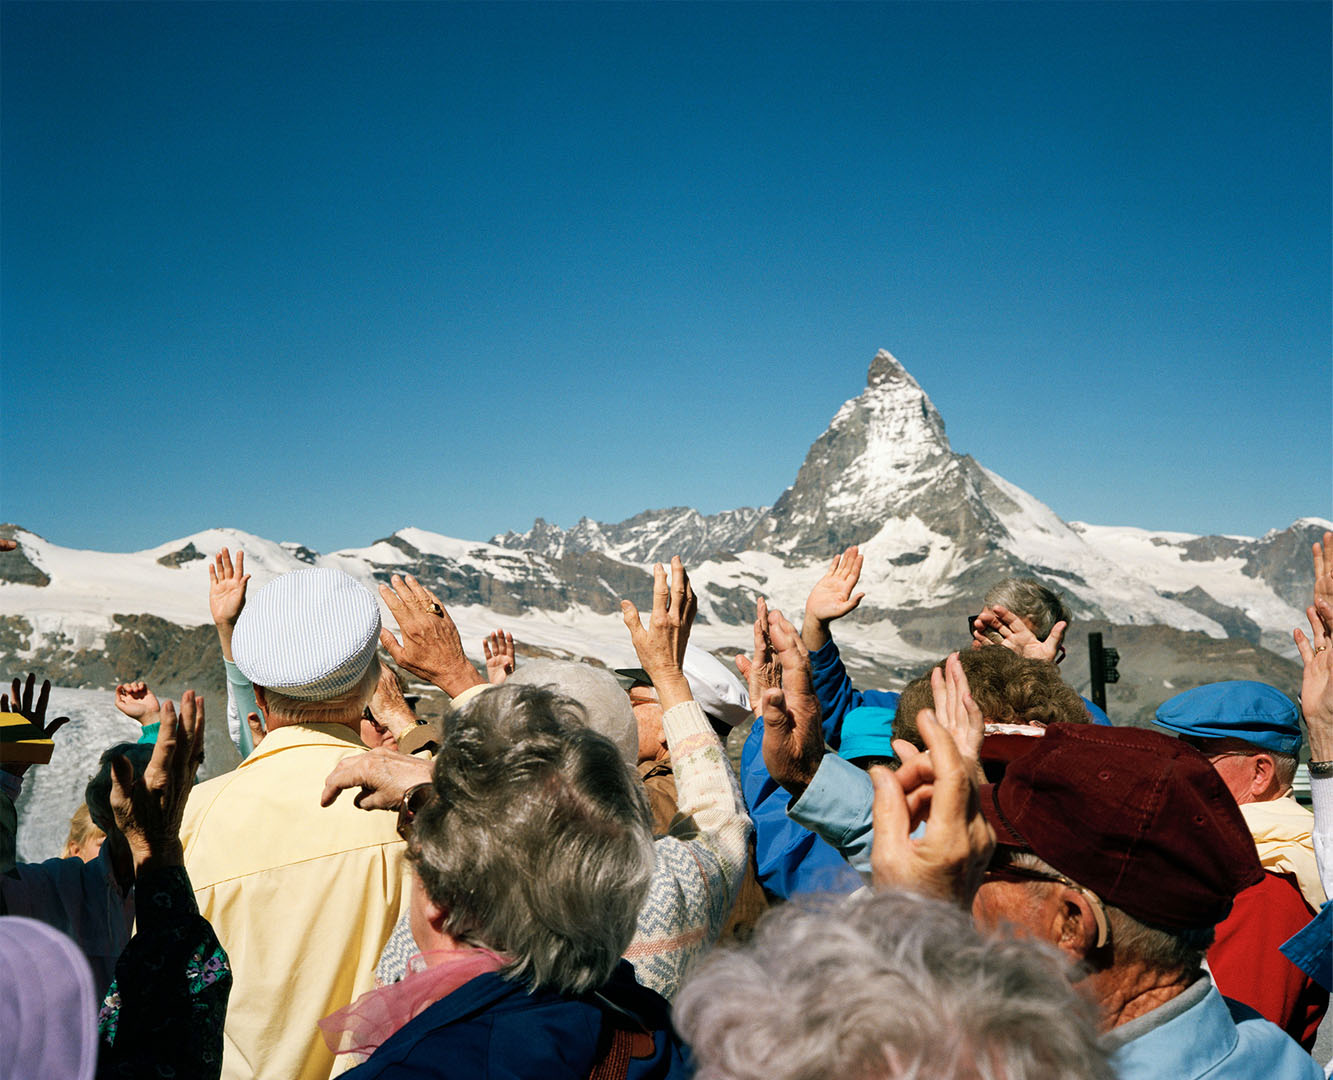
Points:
[(1007, 871), (415, 799)]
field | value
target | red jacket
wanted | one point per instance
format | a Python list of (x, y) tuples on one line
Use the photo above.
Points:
[(1248, 968)]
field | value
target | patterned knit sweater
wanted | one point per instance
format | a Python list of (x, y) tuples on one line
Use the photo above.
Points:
[(700, 863)]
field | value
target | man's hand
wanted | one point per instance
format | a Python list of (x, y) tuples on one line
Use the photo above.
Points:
[(137, 702), (498, 647), (832, 598), (388, 705), (226, 594), (149, 808), (1017, 636), (762, 671), (431, 648), (1317, 682), (22, 703), (661, 647), (793, 739), (948, 861), (382, 775)]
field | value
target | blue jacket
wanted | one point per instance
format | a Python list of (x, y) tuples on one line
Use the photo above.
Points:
[(791, 859), (491, 1027)]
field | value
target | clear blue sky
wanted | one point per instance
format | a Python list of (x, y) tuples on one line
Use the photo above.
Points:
[(323, 271)]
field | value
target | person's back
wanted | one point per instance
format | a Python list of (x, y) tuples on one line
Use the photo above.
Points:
[(302, 898)]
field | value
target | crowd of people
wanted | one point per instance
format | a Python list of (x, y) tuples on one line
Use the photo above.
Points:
[(976, 875)]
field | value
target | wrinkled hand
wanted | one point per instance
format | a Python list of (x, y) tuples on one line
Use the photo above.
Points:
[(382, 775), (1317, 682), (832, 597), (950, 858), (498, 647), (149, 808), (793, 738), (762, 671), (957, 713), (1017, 636), (137, 702), (21, 701), (1323, 569), (661, 647), (431, 648), (388, 706)]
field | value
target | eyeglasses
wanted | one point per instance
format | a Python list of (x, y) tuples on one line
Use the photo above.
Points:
[(1007, 871), (415, 799)]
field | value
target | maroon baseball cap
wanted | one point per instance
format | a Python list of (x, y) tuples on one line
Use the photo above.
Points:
[(1141, 819)]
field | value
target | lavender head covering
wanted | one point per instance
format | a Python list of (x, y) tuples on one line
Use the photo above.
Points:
[(47, 1009)]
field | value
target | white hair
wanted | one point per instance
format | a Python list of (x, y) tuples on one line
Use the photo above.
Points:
[(281, 709), (605, 704), (893, 987)]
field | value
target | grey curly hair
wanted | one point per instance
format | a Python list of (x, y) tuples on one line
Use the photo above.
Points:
[(893, 987)]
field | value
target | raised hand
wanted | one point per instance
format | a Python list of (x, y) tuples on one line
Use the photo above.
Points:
[(8, 544), (1323, 569), (498, 647), (793, 738), (1317, 681), (1017, 636), (832, 598), (149, 808), (431, 647), (20, 700), (137, 702), (761, 671), (226, 594), (661, 646), (382, 775), (948, 860), (956, 712)]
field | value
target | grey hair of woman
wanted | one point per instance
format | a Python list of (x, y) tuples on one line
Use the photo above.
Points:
[(1028, 599), (539, 843), (893, 987)]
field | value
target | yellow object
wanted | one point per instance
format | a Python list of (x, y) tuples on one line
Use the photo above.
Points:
[(1283, 833), (302, 897), (22, 742)]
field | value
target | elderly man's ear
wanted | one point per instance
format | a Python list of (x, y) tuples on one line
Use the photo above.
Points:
[(1074, 927)]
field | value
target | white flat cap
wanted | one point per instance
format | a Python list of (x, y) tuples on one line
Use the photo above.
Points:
[(606, 706), (309, 634)]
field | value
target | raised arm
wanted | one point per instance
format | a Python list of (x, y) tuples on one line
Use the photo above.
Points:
[(832, 597), (431, 648), (227, 583), (699, 866)]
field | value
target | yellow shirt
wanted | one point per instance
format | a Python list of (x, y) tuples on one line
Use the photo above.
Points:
[(302, 897), (1282, 830)]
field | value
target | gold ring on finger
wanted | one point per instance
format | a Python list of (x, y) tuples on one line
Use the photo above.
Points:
[(434, 608)]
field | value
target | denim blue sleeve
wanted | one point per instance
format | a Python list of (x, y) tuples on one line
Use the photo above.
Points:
[(1311, 949), (837, 697), (838, 806), (791, 859)]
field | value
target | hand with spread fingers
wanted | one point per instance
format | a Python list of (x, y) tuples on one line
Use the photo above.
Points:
[(1317, 682), (948, 861), (382, 775), (793, 743), (20, 700), (498, 647), (1323, 569), (832, 597), (137, 702), (661, 645), (1017, 636), (149, 808), (431, 648), (226, 594), (762, 671)]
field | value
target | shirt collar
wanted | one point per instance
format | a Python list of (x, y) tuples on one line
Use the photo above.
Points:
[(290, 735)]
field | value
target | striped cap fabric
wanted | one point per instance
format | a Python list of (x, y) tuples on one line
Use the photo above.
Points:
[(309, 634)]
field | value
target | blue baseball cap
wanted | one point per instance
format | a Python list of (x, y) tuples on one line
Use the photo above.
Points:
[(1254, 712), (867, 731)]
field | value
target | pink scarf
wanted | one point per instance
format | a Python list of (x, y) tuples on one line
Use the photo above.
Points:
[(359, 1028)]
